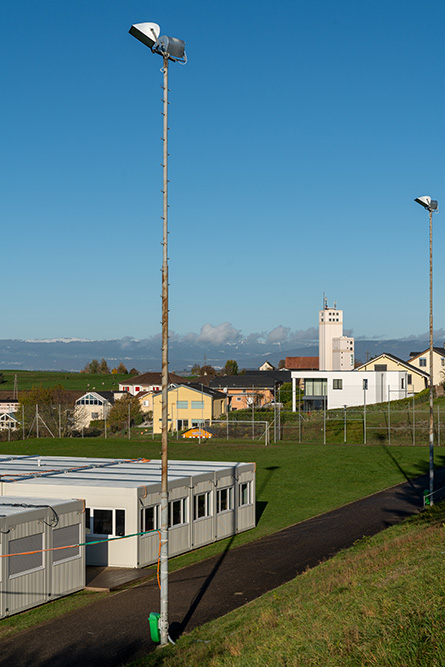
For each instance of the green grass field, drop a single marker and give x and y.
(70, 381)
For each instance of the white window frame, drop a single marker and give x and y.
(156, 518)
(228, 491)
(183, 512)
(207, 506)
(248, 487)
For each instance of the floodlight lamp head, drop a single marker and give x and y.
(171, 47)
(428, 203)
(147, 33)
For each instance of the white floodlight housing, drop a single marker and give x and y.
(147, 33)
(171, 46)
(428, 203)
(424, 201)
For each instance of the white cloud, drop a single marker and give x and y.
(278, 335)
(219, 334)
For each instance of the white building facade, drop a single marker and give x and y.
(335, 351)
(337, 389)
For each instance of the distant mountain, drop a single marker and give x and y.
(145, 355)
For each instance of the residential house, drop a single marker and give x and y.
(421, 360)
(8, 421)
(188, 405)
(149, 382)
(336, 389)
(267, 366)
(8, 405)
(91, 406)
(416, 379)
(145, 399)
(251, 388)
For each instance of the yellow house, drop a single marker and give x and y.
(421, 360)
(188, 405)
(416, 378)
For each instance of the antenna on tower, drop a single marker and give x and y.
(325, 301)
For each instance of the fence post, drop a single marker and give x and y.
(414, 419)
(389, 417)
(438, 426)
(324, 420)
(23, 421)
(364, 414)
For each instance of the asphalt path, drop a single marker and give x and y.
(114, 631)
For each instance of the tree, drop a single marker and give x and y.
(231, 367)
(196, 369)
(92, 368)
(122, 369)
(134, 372)
(118, 416)
(282, 363)
(46, 409)
(103, 367)
(207, 370)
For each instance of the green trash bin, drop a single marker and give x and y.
(426, 498)
(153, 622)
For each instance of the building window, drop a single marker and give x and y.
(31, 561)
(365, 384)
(380, 367)
(201, 507)
(244, 494)
(150, 518)
(63, 537)
(337, 384)
(94, 415)
(197, 405)
(409, 378)
(402, 383)
(422, 362)
(182, 405)
(177, 512)
(224, 500)
(104, 522)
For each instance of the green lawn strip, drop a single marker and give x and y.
(293, 482)
(379, 603)
(47, 612)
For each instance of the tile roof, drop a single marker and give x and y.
(302, 363)
(153, 379)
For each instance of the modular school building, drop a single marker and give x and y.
(208, 501)
(43, 529)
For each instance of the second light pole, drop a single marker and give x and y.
(431, 206)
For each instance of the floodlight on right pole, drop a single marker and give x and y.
(172, 49)
(431, 206)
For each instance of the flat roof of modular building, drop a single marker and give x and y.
(122, 473)
(13, 505)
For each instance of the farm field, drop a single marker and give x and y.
(70, 381)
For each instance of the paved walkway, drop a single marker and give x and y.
(114, 631)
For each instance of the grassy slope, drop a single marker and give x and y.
(379, 603)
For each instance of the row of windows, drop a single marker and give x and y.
(62, 537)
(196, 405)
(89, 401)
(104, 522)
(202, 507)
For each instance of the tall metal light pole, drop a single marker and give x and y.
(173, 49)
(431, 206)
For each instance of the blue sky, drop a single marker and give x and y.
(300, 135)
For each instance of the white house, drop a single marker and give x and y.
(335, 389)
